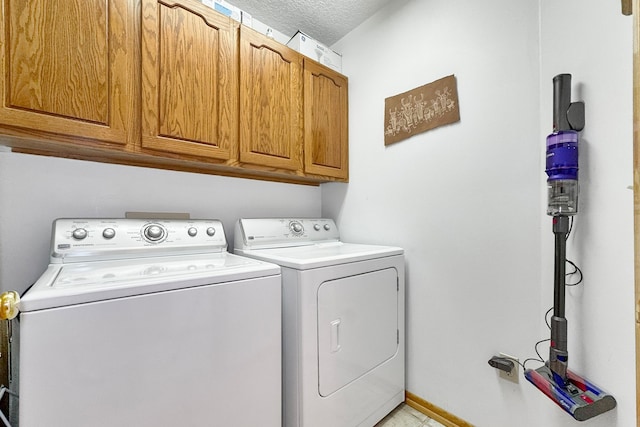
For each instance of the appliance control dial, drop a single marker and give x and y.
(211, 231)
(296, 228)
(327, 227)
(108, 233)
(316, 227)
(192, 231)
(153, 232)
(79, 233)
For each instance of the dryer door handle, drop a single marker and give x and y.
(335, 335)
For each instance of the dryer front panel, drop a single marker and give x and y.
(357, 326)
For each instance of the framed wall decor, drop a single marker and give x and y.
(421, 109)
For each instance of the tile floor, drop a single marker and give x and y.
(406, 416)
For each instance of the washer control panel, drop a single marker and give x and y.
(279, 232)
(85, 239)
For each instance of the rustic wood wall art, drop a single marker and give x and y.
(421, 109)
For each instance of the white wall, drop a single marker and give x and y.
(467, 200)
(35, 190)
(593, 41)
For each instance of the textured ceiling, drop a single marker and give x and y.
(325, 20)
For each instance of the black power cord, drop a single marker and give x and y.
(575, 271)
(534, 359)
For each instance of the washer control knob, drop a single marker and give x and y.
(327, 227)
(79, 233)
(211, 231)
(316, 227)
(108, 233)
(192, 231)
(296, 227)
(153, 232)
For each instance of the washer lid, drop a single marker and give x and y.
(321, 254)
(69, 284)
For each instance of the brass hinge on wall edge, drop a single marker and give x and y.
(432, 411)
(627, 9)
(8, 311)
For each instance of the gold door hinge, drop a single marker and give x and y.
(627, 8)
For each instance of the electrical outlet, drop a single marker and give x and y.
(514, 375)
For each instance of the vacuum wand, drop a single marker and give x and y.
(558, 354)
(562, 202)
(577, 396)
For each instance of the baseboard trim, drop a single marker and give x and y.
(433, 411)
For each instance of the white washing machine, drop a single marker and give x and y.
(150, 323)
(343, 321)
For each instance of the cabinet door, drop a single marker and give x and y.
(67, 67)
(270, 102)
(189, 83)
(326, 131)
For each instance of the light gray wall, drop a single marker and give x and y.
(35, 190)
(593, 41)
(467, 201)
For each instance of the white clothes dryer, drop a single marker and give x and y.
(343, 321)
(149, 323)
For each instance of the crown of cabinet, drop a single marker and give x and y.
(169, 84)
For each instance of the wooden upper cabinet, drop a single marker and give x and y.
(270, 103)
(166, 83)
(67, 68)
(189, 79)
(326, 131)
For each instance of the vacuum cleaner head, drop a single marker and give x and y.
(579, 397)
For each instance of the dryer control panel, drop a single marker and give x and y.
(282, 232)
(90, 239)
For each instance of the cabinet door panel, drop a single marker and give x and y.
(271, 103)
(48, 72)
(189, 88)
(326, 145)
(67, 67)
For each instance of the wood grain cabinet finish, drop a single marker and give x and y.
(270, 103)
(169, 84)
(326, 134)
(66, 68)
(189, 79)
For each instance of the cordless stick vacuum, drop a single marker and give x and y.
(579, 397)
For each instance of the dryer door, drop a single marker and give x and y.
(357, 326)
